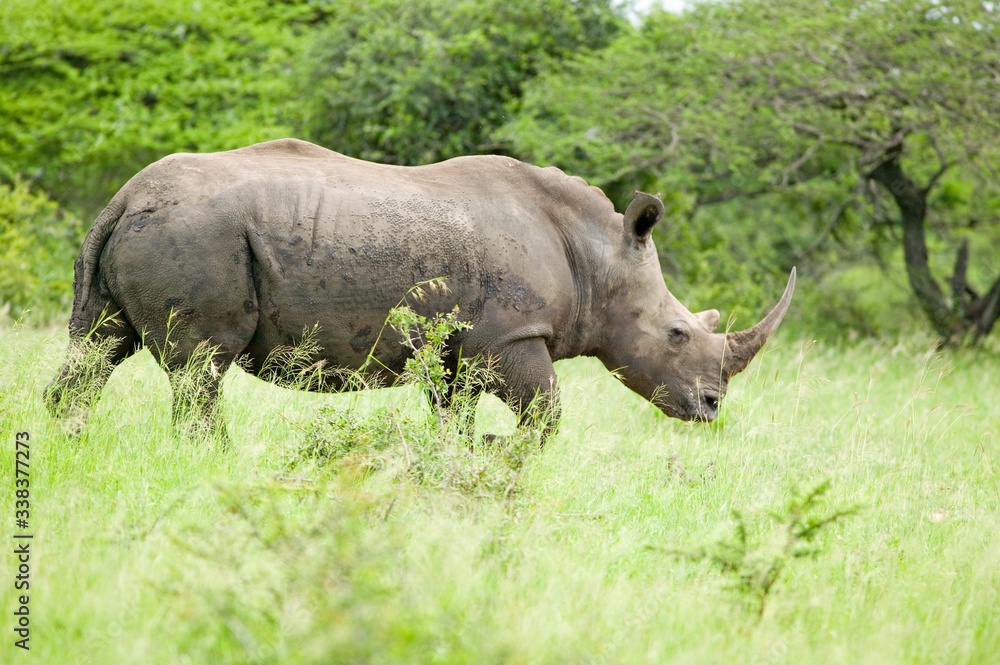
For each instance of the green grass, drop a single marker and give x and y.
(154, 548)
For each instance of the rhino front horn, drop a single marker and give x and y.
(742, 346)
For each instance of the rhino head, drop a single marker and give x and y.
(654, 345)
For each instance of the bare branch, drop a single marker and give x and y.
(844, 52)
(988, 310)
(794, 166)
(959, 285)
(828, 231)
(730, 195)
(815, 59)
(675, 140)
(809, 130)
(837, 100)
(901, 96)
(941, 158)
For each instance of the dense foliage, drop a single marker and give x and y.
(38, 244)
(854, 140)
(853, 121)
(93, 92)
(418, 81)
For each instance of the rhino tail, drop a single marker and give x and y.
(86, 267)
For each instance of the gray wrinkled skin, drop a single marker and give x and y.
(249, 247)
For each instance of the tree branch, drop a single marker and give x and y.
(730, 195)
(808, 130)
(827, 232)
(941, 158)
(800, 161)
(989, 310)
(959, 285)
(912, 203)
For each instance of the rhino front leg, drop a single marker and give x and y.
(458, 406)
(529, 385)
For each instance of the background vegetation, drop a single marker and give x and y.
(851, 125)
(843, 509)
(855, 140)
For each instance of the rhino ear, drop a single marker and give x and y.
(642, 215)
(709, 318)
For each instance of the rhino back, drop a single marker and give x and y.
(320, 237)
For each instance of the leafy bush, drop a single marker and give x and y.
(438, 451)
(756, 564)
(38, 244)
(413, 82)
(92, 92)
(407, 449)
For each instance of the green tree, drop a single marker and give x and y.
(879, 117)
(91, 92)
(418, 81)
(37, 248)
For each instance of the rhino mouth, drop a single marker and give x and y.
(703, 407)
(708, 409)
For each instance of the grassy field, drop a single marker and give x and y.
(152, 547)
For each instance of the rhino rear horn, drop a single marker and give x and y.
(742, 346)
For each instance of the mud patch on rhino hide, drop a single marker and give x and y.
(524, 299)
(362, 341)
(511, 292)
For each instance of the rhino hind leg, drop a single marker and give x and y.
(195, 386)
(196, 353)
(97, 345)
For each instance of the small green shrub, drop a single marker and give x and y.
(425, 339)
(414, 450)
(439, 451)
(322, 586)
(756, 564)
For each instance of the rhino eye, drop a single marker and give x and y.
(677, 334)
